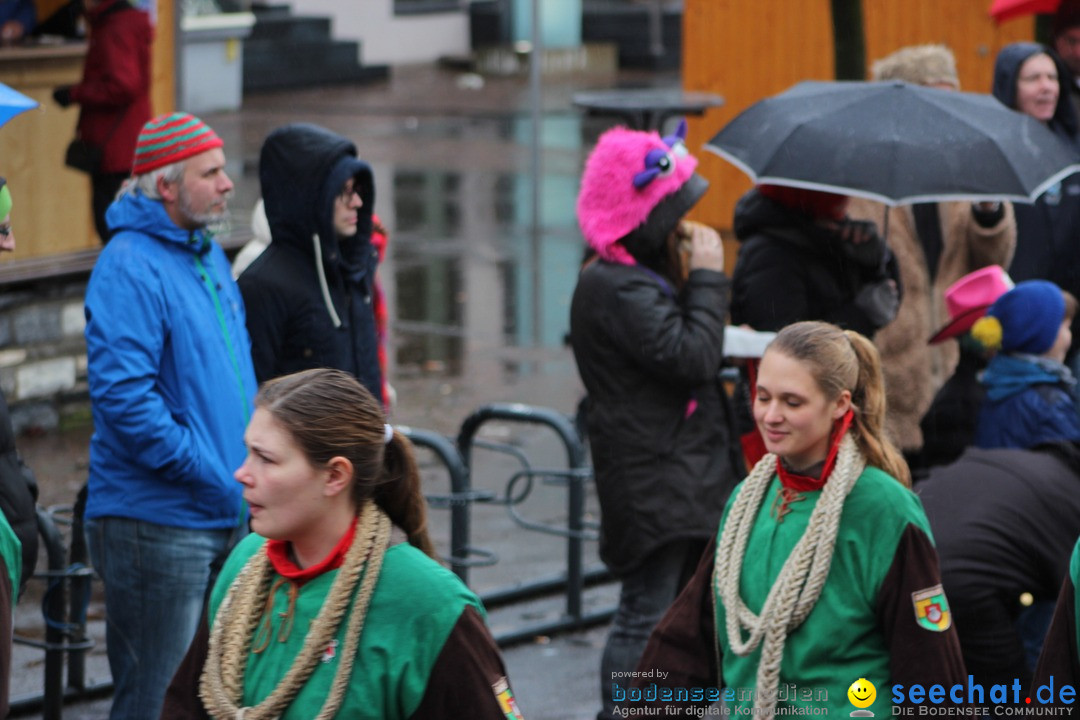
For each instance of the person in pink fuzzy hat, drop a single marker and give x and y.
(647, 329)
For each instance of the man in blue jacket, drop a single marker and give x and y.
(171, 386)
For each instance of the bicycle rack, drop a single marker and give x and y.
(459, 501)
(457, 460)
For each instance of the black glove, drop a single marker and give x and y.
(62, 95)
(879, 301)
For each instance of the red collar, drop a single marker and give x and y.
(278, 552)
(806, 483)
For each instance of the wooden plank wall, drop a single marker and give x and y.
(746, 50)
(163, 60)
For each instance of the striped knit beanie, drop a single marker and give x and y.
(171, 138)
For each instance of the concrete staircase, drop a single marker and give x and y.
(289, 51)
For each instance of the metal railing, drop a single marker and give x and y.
(457, 460)
(63, 607)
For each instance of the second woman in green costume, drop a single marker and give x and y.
(823, 572)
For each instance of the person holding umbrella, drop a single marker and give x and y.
(935, 244)
(830, 267)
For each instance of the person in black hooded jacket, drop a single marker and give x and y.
(309, 295)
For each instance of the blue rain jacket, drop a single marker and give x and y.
(171, 380)
(1026, 404)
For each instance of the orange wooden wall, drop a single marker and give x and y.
(163, 60)
(746, 50)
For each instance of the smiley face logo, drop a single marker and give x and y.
(862, 693)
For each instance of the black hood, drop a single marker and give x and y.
(756, 214)
(302, 168)
(1007, 71)
(760, 216)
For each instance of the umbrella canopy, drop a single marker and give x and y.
(13, 102)
(896, 143)
(1002, 10)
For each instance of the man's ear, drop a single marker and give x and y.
(169, 191)
(340, 476)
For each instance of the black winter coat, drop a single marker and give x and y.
(18, 496)
(790, 269)
(1004, 522)
(293, 325)
(646, 357)
(948, 427)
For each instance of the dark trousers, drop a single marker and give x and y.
(646, 594)
(105, 186)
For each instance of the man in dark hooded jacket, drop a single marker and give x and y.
(309, 295)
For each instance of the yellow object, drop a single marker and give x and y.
(987, 330)
(862, 693)
(1026, 599)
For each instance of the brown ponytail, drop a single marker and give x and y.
(868, 397)
(329, 414)
(399, 494)
(842, 360)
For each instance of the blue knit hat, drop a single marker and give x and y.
(1028, 318)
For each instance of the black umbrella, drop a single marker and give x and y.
(896, 143)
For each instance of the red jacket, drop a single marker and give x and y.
(115, 90)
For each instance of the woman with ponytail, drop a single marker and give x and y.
(823, 573)
(334, 605)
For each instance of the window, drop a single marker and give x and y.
(420, 7)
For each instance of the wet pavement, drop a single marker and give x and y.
(478, 285)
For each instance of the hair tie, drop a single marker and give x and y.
(388, 433)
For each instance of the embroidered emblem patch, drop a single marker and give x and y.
(505, 696)
(330, 653)
(932, 609)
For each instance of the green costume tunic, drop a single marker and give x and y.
(424, 650)
(1060, 660)
(881, 614)
(10, 573)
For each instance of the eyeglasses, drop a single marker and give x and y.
(5, 230)
(346, 194)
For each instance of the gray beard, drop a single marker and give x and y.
(215, 220)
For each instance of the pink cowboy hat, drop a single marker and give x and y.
(970, 297)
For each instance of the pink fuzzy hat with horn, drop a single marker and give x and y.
(628, 174)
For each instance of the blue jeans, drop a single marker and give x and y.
(156, 581)
(646, 594)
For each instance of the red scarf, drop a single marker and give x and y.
(805, 483)
(278, 552)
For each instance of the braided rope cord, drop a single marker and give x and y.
(221, 684)
(799, 582)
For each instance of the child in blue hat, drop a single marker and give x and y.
(1030, 393)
